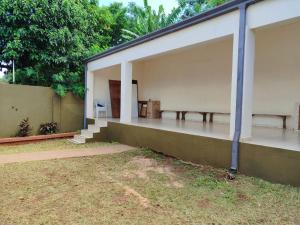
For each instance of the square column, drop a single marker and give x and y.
(89, 104)
(126, 92)
(249, 62)
(248, 76)
(235, 50)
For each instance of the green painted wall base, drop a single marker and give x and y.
(275, 165)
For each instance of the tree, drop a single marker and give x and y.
(49, 40)
(119, 23)
(143, 20)
(191, 8)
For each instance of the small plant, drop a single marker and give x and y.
(48, 128)
(24, 128)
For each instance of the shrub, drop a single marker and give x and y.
(48, 128)
(24, 128)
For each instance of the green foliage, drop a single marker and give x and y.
(48, 128)
(143, 20)
(24, 128)
(49, 40)
(193, 7)
(119, 21)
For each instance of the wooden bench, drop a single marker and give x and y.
(175, 111)
(204, 114)
(283, 117)
(183, 114)
(211, 115)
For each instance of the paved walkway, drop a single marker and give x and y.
(61, 154)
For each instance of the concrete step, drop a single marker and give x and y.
(87, 133)
(101, 123)
(79, 138)
(75, 141)
(93, 128)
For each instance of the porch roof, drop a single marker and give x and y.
(210, 14)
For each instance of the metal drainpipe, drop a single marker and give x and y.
(239, 91)
(85, 96)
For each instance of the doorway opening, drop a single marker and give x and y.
(115, 98)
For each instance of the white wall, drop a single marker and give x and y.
(277, 72)
(197, 78)
(101, 86)
(269, 12)
(165, 77)
(101, 82)
(208, 30)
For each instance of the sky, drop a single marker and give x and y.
(168, 4)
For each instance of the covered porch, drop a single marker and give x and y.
(271, 154)
(222, 81)
(264, 136)
(199, 81)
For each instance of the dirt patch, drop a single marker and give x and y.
(242, 197)
(144, 165)
(141, 161)
(143, 201)
(204, 203)
(129, 192)
(175, 184)
(121, 199)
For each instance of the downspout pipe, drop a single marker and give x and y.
(239, 89)
(85, 97)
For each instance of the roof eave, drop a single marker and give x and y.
(210, 14)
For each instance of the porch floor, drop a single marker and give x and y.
(272, 137)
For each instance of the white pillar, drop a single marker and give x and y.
(246, 131)
(126, 92)
(249, 59)
(235, 50)
(90, 95)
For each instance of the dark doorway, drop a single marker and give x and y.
(115, 97)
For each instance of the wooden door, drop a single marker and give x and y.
(299, 118)
(115, 95)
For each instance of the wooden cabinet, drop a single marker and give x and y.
(153, 108)
(149, 109)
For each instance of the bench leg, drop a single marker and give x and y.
(183, 115)
(177, 115)
(204, 117)
(211, 117)
(284, 122)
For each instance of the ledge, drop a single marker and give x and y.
(13, 140)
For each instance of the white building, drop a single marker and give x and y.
(239, 63)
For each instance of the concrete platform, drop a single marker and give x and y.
(268, 137)
(272, 154)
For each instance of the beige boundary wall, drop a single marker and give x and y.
(40, 105)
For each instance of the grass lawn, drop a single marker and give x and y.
(138, 187)
(50, 145)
